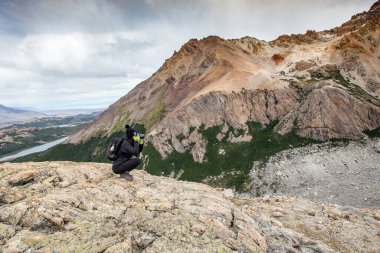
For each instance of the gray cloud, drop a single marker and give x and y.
(88, 53)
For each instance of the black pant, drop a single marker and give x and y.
(120, 168)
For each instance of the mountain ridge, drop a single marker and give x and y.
(14, 110)
(9, 115)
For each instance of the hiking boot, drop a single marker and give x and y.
(127, 176)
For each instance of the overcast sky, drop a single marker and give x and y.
(86, 54)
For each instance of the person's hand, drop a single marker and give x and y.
(137, 138)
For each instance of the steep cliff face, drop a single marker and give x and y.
(219, 108)
(84, 207)
(321, 85)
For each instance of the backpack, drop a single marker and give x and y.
(113, 148)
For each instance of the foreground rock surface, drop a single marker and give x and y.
(300, 225)
(84, 207)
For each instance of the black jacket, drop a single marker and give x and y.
(126, 151)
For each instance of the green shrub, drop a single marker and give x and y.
(373, 133)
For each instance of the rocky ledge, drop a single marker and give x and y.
(84, 207)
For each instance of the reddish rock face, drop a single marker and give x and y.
(304, 65)
(322, 85)
(23, 178)
(278, 59)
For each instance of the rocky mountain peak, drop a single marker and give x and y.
(362, 19)
(375, 8)
(296, 39)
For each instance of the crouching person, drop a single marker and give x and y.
(127, 155)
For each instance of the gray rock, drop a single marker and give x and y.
(324, 172)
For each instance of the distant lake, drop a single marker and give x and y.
(33, 150)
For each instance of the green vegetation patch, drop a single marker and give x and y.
(181, 137)
(121, 124)
(375, 133)
(154, 115)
